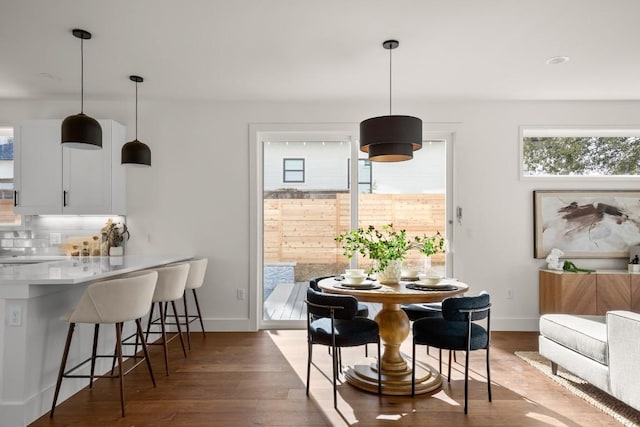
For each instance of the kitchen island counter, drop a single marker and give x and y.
(24, 281)
(33, 301)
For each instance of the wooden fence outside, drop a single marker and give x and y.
(303, 230)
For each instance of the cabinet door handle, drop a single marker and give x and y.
(64, 198)
(15, 198)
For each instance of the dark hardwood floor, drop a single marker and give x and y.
(257, 379)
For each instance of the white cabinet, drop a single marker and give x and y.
(50, 179)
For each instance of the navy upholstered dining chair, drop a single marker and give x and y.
(332, 322)
(457, 330)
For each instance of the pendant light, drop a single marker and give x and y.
(390, 138)
(80, 130)
(136, 152)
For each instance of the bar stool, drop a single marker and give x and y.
(110, 302)
(195, 280)
(172, 280)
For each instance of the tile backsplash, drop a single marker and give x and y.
(43, 235)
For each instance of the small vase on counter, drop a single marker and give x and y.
(116, 251)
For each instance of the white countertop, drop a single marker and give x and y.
(30, 259)
(18, 281)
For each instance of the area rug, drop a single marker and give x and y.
(621, 412)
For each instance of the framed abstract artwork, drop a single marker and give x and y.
(586, 224)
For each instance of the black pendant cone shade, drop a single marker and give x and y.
(80, 130)
(136, 152)
(390, 138)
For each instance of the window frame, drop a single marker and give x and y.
(582, 130)
(285, 170)
(370, 182)
(9, 131)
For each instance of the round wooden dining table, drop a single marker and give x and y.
(394, 329)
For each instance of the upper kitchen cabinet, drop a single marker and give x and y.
(50, 179)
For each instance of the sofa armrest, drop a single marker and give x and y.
(623, 335)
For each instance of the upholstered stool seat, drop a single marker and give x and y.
(110, 302)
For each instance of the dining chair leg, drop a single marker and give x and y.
(120, 370)
(440, 360)
(195, 298)
(175, 315)
(379, 370)
(145, 350)
(63, 365)
(488, 376)
(466, 379)
(449, 372)
(115, 355)
(309, 353)
(334, 358)
(413, 369)
(164, 340)
(186, 319)
(93, 353)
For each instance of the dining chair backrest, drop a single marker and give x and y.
(313, 282)
(172, 280)
(116, 300)
(322, 305)
(197, 270)
(458, 309)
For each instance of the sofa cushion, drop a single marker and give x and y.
(586, 335)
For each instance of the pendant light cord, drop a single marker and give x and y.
(81, 76)
(390, 87)
(136, 111)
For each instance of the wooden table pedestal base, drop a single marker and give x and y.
(365, 377)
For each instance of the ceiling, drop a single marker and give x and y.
(321, 50)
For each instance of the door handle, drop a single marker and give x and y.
(15, 198)
(64, 198)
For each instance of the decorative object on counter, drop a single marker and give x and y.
(115, 233)
(634, 265)
(553, 260)
(80, 130)
(569, 266)
(136, 152)
(390, 138)
(387, 248)
(95, 246)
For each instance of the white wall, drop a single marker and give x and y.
(196, 195)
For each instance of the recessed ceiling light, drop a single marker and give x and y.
(554, 60)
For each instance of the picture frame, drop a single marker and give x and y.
(586, 224)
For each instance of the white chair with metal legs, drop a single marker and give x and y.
(109, 302)
(170, 288)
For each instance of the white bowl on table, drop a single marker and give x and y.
(429, 279)
(354, 278)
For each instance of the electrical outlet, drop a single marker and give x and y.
(14, 315)
(240, 294)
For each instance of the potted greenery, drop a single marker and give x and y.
(387, 248)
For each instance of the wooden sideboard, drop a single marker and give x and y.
(588, 293)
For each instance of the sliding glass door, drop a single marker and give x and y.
(314, 188)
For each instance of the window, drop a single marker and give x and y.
(7, 217)
(364, 175)
(580, 152)
(293, 170)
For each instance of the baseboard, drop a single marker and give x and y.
(515, 324)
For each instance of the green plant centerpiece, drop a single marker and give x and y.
(387, 248)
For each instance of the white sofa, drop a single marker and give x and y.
(603, 350)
